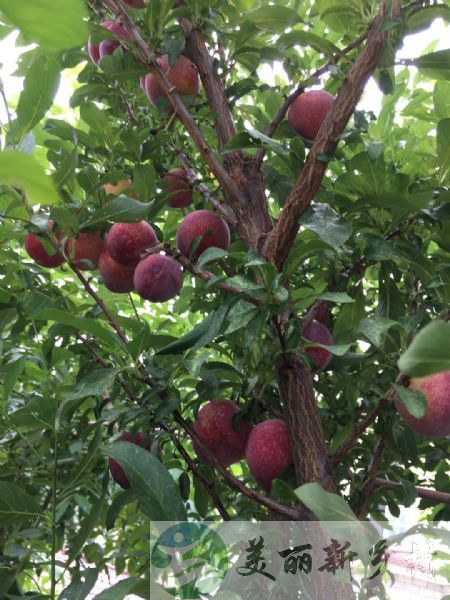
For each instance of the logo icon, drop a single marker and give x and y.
(189, 560)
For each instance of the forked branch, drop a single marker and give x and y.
(280, 240)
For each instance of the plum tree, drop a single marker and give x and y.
(178, 187)
(308, 112)
(268, 451)
(209, 227)
(117, 473)
(318, 334)
(36, 250)
(322, 223)
(182, 75)
(116, 277)
(436, 421)
(158, 278)
(86, 247)
(126, 241)
(107, 47)
(214, 428)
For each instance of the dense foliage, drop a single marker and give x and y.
(79, 368)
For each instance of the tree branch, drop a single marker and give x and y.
(422, 492)
(205, 275)
(369, 486)
(227, 211)
(212, 492)
(279, 117)
(354, 436)
(231, 190)
(280, 240)
(197, 51)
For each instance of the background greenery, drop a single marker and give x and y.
(375, 245)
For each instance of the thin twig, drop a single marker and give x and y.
(369, 486)
(422, 492)
(354, 436)
(212, 492)
(227, 211)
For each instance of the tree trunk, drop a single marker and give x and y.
(309, 449)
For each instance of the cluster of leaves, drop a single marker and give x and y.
(374, 246)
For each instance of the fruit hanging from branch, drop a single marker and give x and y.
(308, 112)
(436, 421)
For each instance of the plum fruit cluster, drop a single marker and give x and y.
(120, 256)
(265, 446)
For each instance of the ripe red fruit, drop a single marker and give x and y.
(178, 186)
(319, 334)
(87, 246)
(135, 3)
(126, 241)
(117, 473)
(158, 278)
(116, 277)
(268, 451)
(308, 112)
(436, 421)
(214, 428)
(182, 75)
(210, 227)
(106, 47)
(36, 251)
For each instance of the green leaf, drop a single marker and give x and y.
(307, 38)
(338, 517)
(16, 505)
(375, 328)
(14, 371)
(144, 181)
(155, 490)
(120, 209)
(209, 255)
(85, 531)
(188, 340)
(79, 323)
(422, 18)
(429, 352)
(435, 65)
(53, 27)
(39, 89)
(240, 315)
(325, 221)
(23, 171)
(443, 144)
(80, 586)
(202, 333)
(378, 248)
(336, 297)
(415, 401)
(94, 384)
(271, 17)
(441, 98)
(121, 500)
(124, 588)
